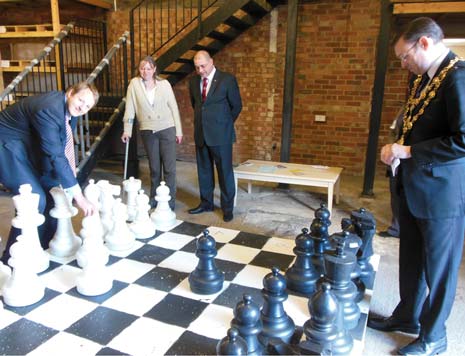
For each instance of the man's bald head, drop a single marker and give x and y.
(203, 63)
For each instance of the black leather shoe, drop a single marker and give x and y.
(200, 209)
(392, 324)
(227, 217)
(386, 234)
(421, 347)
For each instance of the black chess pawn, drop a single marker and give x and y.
(206, 278)
(301, 277)
(320, 237)
(323, 214)
(247, 321)
(276, 323)
(232, 344)
(339, 265)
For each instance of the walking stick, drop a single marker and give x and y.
(126, 159)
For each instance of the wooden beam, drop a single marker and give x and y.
(429, 7)
(56, 29)
(98, 3)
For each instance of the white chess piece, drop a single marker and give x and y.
(107, 191)
(23, 287)
(95, 278)
(163, 217)
(65, 242)
(92, 193)
(5, 273)
(142, 227)
(28, 219)
(131, 186)
(95, 247)
(120, 238)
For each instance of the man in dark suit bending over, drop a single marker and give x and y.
(217, 103)
(34, 134)
(431, 185)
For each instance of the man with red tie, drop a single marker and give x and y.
(217, 103)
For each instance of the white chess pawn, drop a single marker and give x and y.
(142, 227)
(95, 247)
(131, 186)
(95, 278)
(28, 219)
(163, 217)
(65, 242)
(92, 193)
(107, 191)
(120, 237)
(23, 287)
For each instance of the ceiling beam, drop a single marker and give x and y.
(98, 3)
(428, 7)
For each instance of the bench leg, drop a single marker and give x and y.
(249, 187)
(337, 189)
(330, 197)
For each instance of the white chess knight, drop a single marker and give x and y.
(131, 186)
(23, 287)
(120, 237)
(92, 193)
(28, 219)
(107, 191)
(142, 227)
(163, 217)
(92, 257)
(65, 242)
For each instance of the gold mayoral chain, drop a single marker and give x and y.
(425, 97)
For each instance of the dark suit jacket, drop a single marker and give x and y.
(214, 119)
(434, 177)
(39, 122)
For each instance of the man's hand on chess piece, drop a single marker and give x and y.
(85, 205)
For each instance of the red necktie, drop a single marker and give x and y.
(69, 148)
(204, 89)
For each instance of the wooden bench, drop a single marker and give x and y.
(291, 173)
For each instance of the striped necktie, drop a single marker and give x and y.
(69, 148)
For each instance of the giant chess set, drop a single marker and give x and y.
(141, 282)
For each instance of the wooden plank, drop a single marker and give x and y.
(98, 3)
(28, 34)
(429, 8)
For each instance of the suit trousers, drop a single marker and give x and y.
(161, 151)
(221, 157)
(16, 168)
(429, 259)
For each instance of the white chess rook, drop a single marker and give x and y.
(163, 217)
(131, 186)
(65, 242)
(142, 227)
(28, 219)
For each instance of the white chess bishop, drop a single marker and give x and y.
(142, 227)
(131, 186)
(28, 219)
(65, 242)
(120, 238)
(23, 287)
(163, 217)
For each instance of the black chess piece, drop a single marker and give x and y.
(206, 278)
(247, 321)
(276, 323)
(320, 236)
(232, 344)
(339, 265)
(320, 330)
(301, 277)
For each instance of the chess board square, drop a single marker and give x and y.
(280, 245)
(252, 276)
(135, 299)
(146, 336)
(192, 344)
(213, 322)
(49, 295)
(61, 279)
(125, 253)
(23, 336)
(101, 325)
(61, 260)
(74, 345)
(234, 294)
(8, 317)
(237, 253)
(161, 278)
(150, 254)
(230, 269)
(128, 271)
(188, 228)
(297, 308)
(191, 247)
(99, 299)
(222, 235)
(168, 228)
(184, 290)
(58, 315)
(172, 241)
(177, 310)
(180, 261)
(109, 351)
(271, 259)
(249, 240)
(51, 267)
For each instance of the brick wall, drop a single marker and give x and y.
(335, 66)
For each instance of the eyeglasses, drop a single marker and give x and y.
(403, 57)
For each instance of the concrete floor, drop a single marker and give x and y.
(283, 213)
